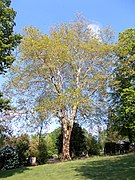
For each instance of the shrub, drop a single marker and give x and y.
(22, 146)
(8, 158)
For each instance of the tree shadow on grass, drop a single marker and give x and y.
(11, 172)
(113, 168)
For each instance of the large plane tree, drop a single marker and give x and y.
(68, 70)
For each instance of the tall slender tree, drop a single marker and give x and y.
(70, 68)
(8, 42)
(123, 109)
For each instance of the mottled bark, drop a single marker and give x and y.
(67, 126)
(66, 142)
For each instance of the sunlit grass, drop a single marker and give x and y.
(96, 168)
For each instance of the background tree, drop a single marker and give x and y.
(5, 132)
(42, 151)
(112, 134)
(8, 39)
(123, 111)
(53, 137)
(27, 146)
(77, 141)
(93, 146)
(70, 68)
(8, 42)
(33, 147)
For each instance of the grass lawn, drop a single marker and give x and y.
(120, 167)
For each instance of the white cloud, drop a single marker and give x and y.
(94, 28)
(95, 31)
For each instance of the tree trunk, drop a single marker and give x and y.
(66, 142)
(67, 126)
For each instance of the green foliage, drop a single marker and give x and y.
(78, 141)
(81, 142)
(51, 147)
(113, 136)
(21, 144)
(69, 68)
(8, 42)
(5, 132)
(8, 39)
(73, 64)
(123, 111)
(33, 147)
(4, 103)
(93, 146)
(42, 151)
(51, 140)
(4, 129)
(29, 147)
(38, 148)
(8, 158)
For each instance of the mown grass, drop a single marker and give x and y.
(120, 167)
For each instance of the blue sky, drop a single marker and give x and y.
(119, 14)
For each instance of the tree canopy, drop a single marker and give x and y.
(69, 69)
(8, 39)
(123, 111)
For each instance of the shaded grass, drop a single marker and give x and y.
(95, 168)
(109, 168)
